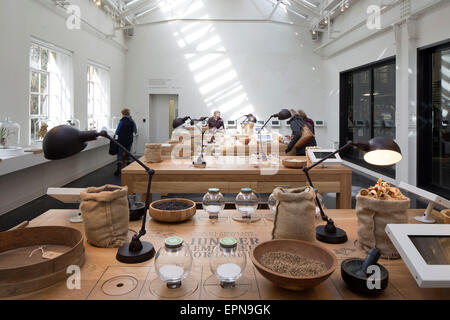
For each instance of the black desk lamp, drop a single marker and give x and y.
(65, 141)
(177, 122)
(378, 151)
(282, 115)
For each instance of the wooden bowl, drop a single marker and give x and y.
(446, 216)
(307, 249)
(172, 215)
(20, 273)
(294, 163)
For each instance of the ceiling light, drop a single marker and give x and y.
(310, 3)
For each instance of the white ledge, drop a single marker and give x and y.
(29, 159)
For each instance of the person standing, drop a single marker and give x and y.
(302, 135)
(304, 117)
(216, 121)
(125, 131)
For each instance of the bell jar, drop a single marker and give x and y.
(213, 204)
(227, 263)
(9, 134)
(173, 262)
(246, 204)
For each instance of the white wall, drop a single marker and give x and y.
(21, 19)
(275, 67)
(18, 21)
(430, 26)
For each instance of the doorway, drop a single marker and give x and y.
(163, 109)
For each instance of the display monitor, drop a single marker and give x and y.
(318, 154)
(425, 249)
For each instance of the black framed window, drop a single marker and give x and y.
(367, 108)
(433, 117)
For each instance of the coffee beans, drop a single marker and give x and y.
(172, 205)
(292, 264)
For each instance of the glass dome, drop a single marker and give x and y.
(213, 203)
(247, 202)
(40, 127)
(227, 263)
(9, 134)
(173, 262)
(74, 123)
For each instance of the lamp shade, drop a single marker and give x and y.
(251, 118)
(382, 152)
(65, 141)
(177, 122)
(283, 114)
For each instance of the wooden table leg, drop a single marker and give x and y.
(344, 197)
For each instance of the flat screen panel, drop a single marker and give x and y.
(435, 250)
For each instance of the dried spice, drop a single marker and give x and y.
(292, 264)
(172, 205)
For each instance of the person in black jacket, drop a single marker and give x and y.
(297, 127)
(125, 131)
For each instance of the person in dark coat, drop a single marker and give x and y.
(297, 124)
(125, 131)
(305, 118)
(216, 121)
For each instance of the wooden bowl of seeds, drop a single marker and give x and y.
(293, 264)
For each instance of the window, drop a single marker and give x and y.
(433, 119)
(98, 97)
(367, 109)
(50, 91)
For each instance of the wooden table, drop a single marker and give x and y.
(201, 235)
(230, 174)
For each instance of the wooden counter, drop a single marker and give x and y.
(201, 236)
(230, 174)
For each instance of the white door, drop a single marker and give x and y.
(163, 108)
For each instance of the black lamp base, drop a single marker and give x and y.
(334, 238)
(126, 256)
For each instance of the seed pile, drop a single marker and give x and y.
(292, 264)
(172, 205)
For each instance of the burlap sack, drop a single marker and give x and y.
(373, 216)
(295, 215)
(106, 215)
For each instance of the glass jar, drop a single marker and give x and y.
(74, 123)
(246, 203)
(272, 203)
(9, 134)
(274, 160)
(173, 262)
(227, 263)
(40, 127)
(213, 203)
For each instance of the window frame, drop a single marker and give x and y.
(343, 112)
(425, 116)
(95, 84)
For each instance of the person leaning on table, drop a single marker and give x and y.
(215, 121)
(125, 131)
(302, 135)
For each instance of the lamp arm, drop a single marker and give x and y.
(135, 244)
(330, 224)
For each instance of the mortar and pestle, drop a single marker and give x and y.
(354, 273)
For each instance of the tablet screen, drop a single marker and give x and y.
(435, 250)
